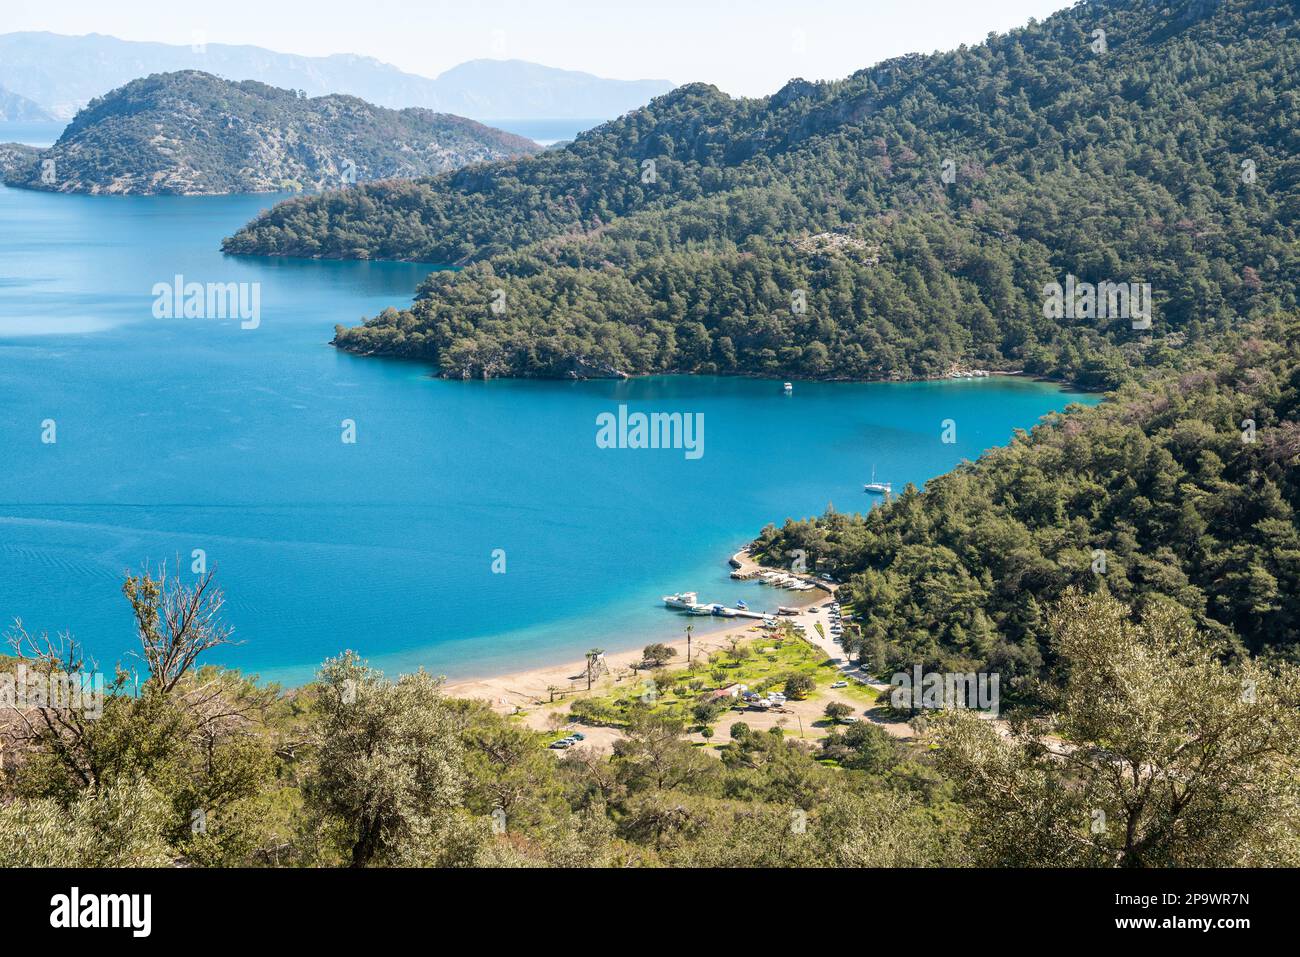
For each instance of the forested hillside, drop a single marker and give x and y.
(17, 159)
(1183, 492)
(892, 224)
(193, 133)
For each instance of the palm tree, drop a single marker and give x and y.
(592, 656)
(551, 689)
(688, 645)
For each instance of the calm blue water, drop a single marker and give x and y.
(33, 134)
(180, 434)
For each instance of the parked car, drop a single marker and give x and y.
(840, 684)
(578, 736)
(849, 719)
(563, 743)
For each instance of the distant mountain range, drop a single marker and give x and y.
(61, 74)
(191, 133)
(19, 109)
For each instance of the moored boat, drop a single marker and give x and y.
(878, 488)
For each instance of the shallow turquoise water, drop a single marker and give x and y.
(182, 434)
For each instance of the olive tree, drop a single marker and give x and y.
(1159, 752)
(389, 764)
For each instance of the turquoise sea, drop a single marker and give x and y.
(181, 434)
(31, 134)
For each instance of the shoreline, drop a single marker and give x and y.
(532, 687)
(1066, 385)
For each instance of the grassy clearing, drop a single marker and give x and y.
(761, 664)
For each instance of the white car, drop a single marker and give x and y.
(840, 684)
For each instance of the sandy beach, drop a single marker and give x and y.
(530, 691)
(525, 689)
(528, 688)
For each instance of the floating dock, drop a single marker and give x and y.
(727, 612)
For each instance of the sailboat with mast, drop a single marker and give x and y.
(877, 488)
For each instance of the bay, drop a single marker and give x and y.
(176, 435)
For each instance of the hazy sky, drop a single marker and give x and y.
(746, 47)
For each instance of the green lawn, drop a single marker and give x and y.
(761, 664)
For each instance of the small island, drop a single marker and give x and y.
(191, 133)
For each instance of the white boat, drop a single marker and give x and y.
(701, 609)
(682, 600)
(878, 488)
(788, 387)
